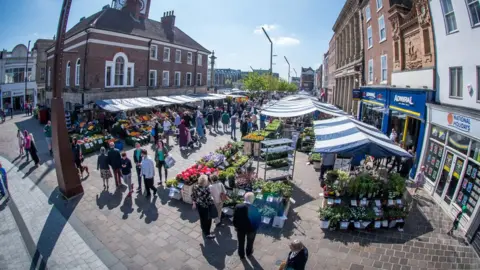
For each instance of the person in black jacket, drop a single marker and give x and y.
(297, 257)
(244, 128)
(127, 173)
(137, 159)
(217, 114)
(115, 161)
(246, 220)
(102, 165)
(406, 165)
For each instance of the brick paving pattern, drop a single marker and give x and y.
(163, 234)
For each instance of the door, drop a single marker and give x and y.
(447, 184)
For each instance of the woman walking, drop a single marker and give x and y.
(297, 257)
(27, 144)
(160, 154)
(78, 157)
(200, 122)
(33, 150)
(219, 195)
(127, 173)
(102, 165)
(225, 121)
(183, 135)
(155, 134)
(202, 201)
(21, 142)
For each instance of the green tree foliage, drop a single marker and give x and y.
(255, 82)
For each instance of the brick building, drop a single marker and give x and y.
(307, 79)
(120, 52)
(40, 49)
(330, 71)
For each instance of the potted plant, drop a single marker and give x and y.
(267, 212)
(316, 159)
(325, 214)
(345, 216)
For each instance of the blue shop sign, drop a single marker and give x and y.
(372, 95)
(409, 102)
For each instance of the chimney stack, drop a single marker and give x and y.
(168, 24)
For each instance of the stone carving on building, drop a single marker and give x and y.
(395, 28)
(413, 60)
(423, 12)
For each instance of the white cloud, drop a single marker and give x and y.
(35, 34)
(268, 27)
(286, 41)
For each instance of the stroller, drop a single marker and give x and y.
(193, 139)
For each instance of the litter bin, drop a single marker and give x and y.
(43, 116)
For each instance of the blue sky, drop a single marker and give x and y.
(301, 29)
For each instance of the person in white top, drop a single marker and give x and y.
(148, 171)
(178, 119)
(166, 130)
(393, 135)
(219, 194)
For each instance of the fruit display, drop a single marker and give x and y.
(253, 138)
(274, 126)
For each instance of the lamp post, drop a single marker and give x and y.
(296, 75)
(67, 176)
(271, 50)
(288, 68)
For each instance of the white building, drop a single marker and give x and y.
(13, 88)
(451, 152)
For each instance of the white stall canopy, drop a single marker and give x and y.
(294, 108)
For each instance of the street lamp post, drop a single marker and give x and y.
(67, 175)
(271, 50)
(288, 68)
(296, 75)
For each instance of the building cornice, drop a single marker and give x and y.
(346, 10)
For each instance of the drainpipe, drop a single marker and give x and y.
(195, 73)
(85, 67)
(148, 64)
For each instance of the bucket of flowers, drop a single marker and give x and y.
(325, 214)
(361, 217)
(267, 212)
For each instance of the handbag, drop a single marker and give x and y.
(169, 161)
(212, 211)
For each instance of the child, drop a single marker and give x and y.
(457, 220)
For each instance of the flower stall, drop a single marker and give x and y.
(363, 201)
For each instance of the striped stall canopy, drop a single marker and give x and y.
(346, 135)
(293, 108)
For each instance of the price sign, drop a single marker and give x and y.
(180, 185)
(330, 201)
(226, 163)
(353, 202)
(259, 196)
(390, 202)
(307, 138)
(270, 199)
(378, 224)
(378, 203)
(266, 220)
(356, 224)
(399, 201)
(363, 202)
(99, 141)
(338, 201)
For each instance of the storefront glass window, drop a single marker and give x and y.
(470, 189)
(433, 159)
(372, 115)
(475, 151)
(397, 122)
(458, 142)
(438, 133)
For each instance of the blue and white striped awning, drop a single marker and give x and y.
(347, 135)
(293, 108)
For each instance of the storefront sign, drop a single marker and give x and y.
(405, 100)
(410, 102)
(18, 93)
(374, 96)
(356, 94)
(459, 122)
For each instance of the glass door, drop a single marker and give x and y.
(450, 176)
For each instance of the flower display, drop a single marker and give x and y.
(212, 160)
(190, 175)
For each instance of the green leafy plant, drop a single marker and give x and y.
(326, 213)
(273, 126)
(172, 182)
(258, 184)
(316, 157)
(396, 185)
(278, 163)
(268, 211)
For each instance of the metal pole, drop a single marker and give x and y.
(69, 182)
(26, 77)
(288, 68)
(271, 49)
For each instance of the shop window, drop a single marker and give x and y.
(433, 159)
(475, 151)
(372, 115)
(438, 133)
(397, 122)
(470, 188)
(458, 142)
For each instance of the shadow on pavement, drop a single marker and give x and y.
(216, 250)
(110, 200)
(126, 207)
(147, 208)
(53, 227)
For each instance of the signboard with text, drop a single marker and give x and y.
(372, 95)
(411, 101)
(456, 121)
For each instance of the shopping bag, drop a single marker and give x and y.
(212, 211)
(169, 161)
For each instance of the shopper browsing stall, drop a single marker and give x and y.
(148, 171)
(160, 154)
(127, 173)
(203, 202)
(246, 220)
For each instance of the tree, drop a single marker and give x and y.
(272, 83)
(255, 82)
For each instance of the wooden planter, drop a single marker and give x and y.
(247, 148)
(187, 194)
(256, 149)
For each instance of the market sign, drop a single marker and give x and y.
(404, 100)
(356, 94)
(373, 96)
(459, 122)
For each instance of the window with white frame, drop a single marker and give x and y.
(368, 13)
(474, 10)
(77, 73)
(381, 28)
(449, 15)
(178, 78)
(383, 64)
(189, 58)
(166, 78)
(67, 75)
(369, 37)
(153, 52)
(379, 4)
(152, 78)
(188, 79)
(119, 72)
(178, 56)
(456, 82)
(199, 78)
(199, 59)
(166, 54)
(370, 71)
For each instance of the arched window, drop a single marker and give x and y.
(119, 70)
(67, 75)
(77, 73)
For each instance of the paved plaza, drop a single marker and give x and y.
(105, 229)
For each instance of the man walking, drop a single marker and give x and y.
(246, 220)
(148, 171)
(47, 130)
(233, 127)
(137, 159)
(115, 162)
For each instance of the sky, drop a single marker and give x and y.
(300, 30)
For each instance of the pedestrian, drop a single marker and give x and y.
(225, 121)
(137, 159)
(178, 119)
(217, 114)
(406, 165)
(102, 165)
(3, 181)
(148, 171)
(456, 222)
(155, 133)
(166, 130)
(10, 108)
(21, 142)
(187, 119)
(263, 118)
(297, 257)
(160, 154)
(200, 124)
(419, 179)
(246, 220)
(115, 162)
(27, 144)
(210, 123)
(233, 127)
(244, 127)
(254, 121)
(77, 156)
(47, 130)
(33, 150)
(328, 162)
(183, 135)
(203, 202)
(127, 173)
(2, 115)
(219, 195)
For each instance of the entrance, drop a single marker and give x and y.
(447, 184)
(17, 103)
(411, 132)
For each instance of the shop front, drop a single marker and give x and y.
(373, 106)
(452, 161)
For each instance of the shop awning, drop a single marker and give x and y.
(293, 108)
(179, 99)
(346, 135)
(208, 96)
(116, 105)
(297, 97)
